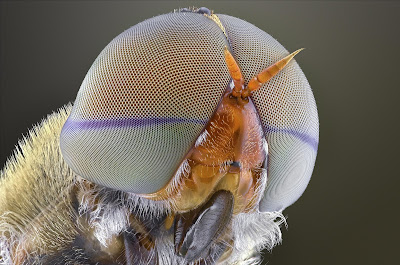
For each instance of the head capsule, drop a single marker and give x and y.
(148, 97)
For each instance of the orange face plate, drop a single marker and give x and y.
(229, 155)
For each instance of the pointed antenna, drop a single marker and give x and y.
(234, 72)
(266, 74)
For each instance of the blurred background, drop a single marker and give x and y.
(348, 213)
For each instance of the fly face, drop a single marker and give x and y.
(181, 151)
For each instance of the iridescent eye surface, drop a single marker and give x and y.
(151, 92)
(144, 102)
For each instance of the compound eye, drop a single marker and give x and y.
(144, 102)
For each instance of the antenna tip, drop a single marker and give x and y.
(296, 52)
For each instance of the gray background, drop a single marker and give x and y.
(349, 212)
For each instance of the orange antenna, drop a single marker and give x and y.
(266, 74)
(234, 72)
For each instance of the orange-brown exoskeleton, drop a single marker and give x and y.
(190, 134)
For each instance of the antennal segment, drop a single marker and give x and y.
(235, 73)
(266, 74)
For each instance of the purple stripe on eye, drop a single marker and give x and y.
(143, 122)
(127, 122)
(308, 139)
